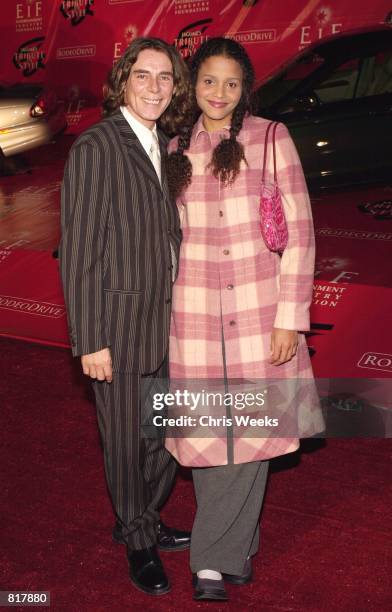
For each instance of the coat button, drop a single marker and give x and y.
(230, 286)
(232, 323)
(226, 252)
(221, 213)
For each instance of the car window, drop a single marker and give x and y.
(340, 84)
(329, 75)
(286, 81)
(357, 78)
(376, 75)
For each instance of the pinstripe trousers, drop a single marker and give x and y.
(139, 470)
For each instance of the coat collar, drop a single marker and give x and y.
(137, 152)
(200, 129)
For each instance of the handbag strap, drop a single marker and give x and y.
(274, 125)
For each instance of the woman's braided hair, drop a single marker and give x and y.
(227, 155)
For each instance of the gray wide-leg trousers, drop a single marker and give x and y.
(226, 527)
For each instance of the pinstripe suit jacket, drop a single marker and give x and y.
(115, 256)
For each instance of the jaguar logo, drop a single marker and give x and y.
(317, 329)
(380, 210)
(191, 37)
(29, 57)
(76, 10)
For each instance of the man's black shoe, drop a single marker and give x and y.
(168, 539)
(146, 571)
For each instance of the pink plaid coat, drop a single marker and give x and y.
(230, 283)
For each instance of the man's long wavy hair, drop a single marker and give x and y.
(228, 154)
(114, 88)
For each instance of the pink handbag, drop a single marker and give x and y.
(272, 220)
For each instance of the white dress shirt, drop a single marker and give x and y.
(143, 133)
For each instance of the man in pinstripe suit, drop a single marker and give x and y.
(119, 251)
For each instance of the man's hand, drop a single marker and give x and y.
(284, 344)
(98, 365)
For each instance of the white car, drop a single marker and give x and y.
(30, 116)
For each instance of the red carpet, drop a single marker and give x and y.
(325, 525)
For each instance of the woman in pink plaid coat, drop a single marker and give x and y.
(237, 310)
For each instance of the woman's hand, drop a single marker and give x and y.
(284, 344)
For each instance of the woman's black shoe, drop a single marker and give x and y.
(243, 578)
(210, 590)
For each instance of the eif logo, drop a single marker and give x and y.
(322, 25)
(130, 33)
(30, 9)
(28, 15)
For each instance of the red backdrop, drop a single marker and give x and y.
(71, 44)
